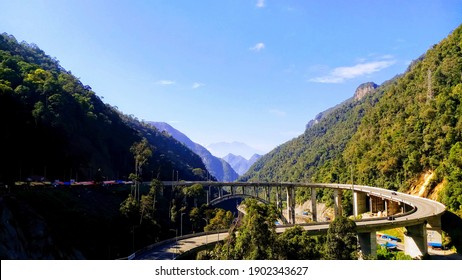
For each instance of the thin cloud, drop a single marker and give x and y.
(260, 3)
(341, 74)
(197, 85)
(165, 82)
(258, 47)
(277, 112)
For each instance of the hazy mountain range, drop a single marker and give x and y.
(241, 164)
(222, 149)
(218, 168)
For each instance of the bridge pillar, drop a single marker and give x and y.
(314, 210)
(415, 241)
(377, 204)
(359, 203)
(268, 194)
(278, 199)
(368, 243)
(393, 207)
(434, 231)
(337, 202)
(291, 205)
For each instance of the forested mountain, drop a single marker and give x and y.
(55, 127)
(409, 126)
(239, 163)
(218, 168)
(324, 139)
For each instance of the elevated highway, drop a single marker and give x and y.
(417, 215)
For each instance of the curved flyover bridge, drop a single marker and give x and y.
(421, 217)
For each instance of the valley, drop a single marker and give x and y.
(404, 135)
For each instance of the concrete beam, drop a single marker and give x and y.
(314, 210)
(291, 205)
(377, 204)
(393, 207)
(415, 241)
(368, 244)
(434, 231)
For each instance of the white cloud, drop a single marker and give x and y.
(260, 3)
(258, 47)
(197, 85)
(165, 82)
(340, 74)
(277, 112)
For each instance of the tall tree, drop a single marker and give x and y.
(256, 238)
(341, 240)
(296, 244)
(141, 152)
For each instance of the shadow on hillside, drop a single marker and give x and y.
(452, 224)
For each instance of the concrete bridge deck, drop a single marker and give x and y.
(422, 215)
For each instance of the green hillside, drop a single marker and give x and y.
(56, 128)
(408, 126)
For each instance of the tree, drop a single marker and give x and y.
(195, 191)
(221, 220)
(130, 209)
(141, 152)
(296, 244)
(148, 203)
(256, 238)
(341, 241)
(452, 194)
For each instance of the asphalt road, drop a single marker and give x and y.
(424, 209)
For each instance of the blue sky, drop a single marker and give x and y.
(252, 71)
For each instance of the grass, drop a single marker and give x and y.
(398, 232)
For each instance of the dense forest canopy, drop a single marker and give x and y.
(408, 126)
(55, 128)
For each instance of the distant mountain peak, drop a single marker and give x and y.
(221, 149)
(218, 167)
(239, 163)
(364, 89)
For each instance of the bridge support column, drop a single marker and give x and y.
(434, 231)
(268, 194)
(279, 199)
(359, 203)
(377, 205)
(415, 241)
(368, 243)
(314, 211)
(393, 207)
(337, 202)
(291, 205)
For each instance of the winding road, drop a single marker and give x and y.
(422, 210)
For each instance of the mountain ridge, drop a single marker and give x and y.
(388, 137)
(217, 167)
(239, 163)
(63, 129)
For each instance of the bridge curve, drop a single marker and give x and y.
(423, 214)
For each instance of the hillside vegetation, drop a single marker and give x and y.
(409, 125)
(54, 127)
